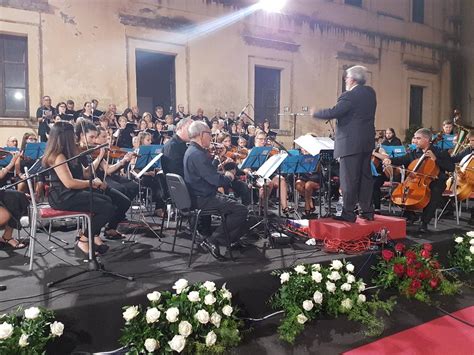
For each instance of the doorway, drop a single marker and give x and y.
(267, 95)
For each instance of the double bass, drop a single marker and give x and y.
(414, 193)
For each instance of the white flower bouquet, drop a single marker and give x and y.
(28, 333)
(310, 290)
(195, 318)
(463, 255)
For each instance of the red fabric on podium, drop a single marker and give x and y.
(327, 228)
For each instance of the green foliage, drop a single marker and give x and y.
(463, 255)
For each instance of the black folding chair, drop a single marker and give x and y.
(181, 199)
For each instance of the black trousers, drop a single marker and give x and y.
(125, 186)
(103, 209)
(157, 184)
(377, 193)
(241, 190)
(121, 202)
(356, 181)
(437, 188)
(236, 216)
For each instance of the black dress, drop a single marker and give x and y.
(17, 204)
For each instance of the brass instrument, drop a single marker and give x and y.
(463, 133)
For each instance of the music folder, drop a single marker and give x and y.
(147, 167)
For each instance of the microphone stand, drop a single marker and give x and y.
(93, 264)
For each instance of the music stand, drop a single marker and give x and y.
(256, 158)
(146, 153)
(326, 157)
(8, 158)
(34, 151)
(394, 151)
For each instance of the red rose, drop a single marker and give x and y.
(425, 254)
(411, 256)
(411, 273)
(415, 284)
(399, 269)
(424, 274)
(435, 264)
(434, 283)
(417, 265)
(387, 255)
(400, 247)
(427, 247)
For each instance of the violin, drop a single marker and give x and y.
(414, 193)
(237, 153)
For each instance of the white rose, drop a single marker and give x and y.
(154, 296)
(468, 258)
(193, 296)
(227, 310)
(23, 342)
(130, 313)
(151, 345)
(316, 267)
(172, 314)
(458, 240)
(209, 286)
(330, 287)
(361, 286)
(216, 319)
(350, 267)
(300, 269)
(471, 249)
(471, 241)
(177, 343)
(152, 315)
(180, 285)
(226, 293)
(284, 277)
(209, 299)
(347, 303)
(211, 338)
(350, 278)
(57, 329)
(334, 276)
(185, 328)
(336, 265)
(308, 305)
(470, 234)
(361, 299)
(346, 287)
(202, 316)
(6, 330)
(318, 297)
(301, 318)
(32, 312)
(316, 276)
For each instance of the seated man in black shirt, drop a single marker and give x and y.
(174, 149)
(203, 180)
(422, 139)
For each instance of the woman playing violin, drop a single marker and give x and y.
(425, 149)
(86, 134)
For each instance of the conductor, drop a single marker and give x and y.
(355, 114)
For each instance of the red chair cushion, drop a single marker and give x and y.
(48, 212)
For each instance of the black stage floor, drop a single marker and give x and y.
(90, 305)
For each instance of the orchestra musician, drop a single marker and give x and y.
(391, 138)
(422, 139)
(69, 189)
(86, 135)
(355, 114)
(306, 184)
(203, 180)
(174, 149)
(13, 205)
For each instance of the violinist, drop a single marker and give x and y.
(69, 188)
(422, 139)
(174, 149)
(86, 134)
(306, 184)
(113, 177)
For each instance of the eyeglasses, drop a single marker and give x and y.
(210, 133)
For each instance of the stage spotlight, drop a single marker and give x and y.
(272, 5)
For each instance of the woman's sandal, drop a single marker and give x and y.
(286, 211)
(12, 243)
(80, 253)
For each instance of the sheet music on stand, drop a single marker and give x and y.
(270, 166)
(147, 153)
(313, 145)
(147, 167)
(256, 158)
(35, 151)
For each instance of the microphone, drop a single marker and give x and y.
(243, 110)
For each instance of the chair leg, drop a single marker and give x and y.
(198, 213)
(175, 231)
(32, 239)
(224, 226)
(162, 227)
(90, 236)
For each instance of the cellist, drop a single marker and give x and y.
(424, 147)
(457, 158)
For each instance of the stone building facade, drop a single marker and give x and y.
(222, 50)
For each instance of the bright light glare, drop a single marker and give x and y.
(18, 96)
(272, 5)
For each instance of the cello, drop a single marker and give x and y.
(464, 178)
(414, 193)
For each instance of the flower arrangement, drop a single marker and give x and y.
(28, 333)
(414, 272)
(463, 255)
(195, 318)
(309, 290)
